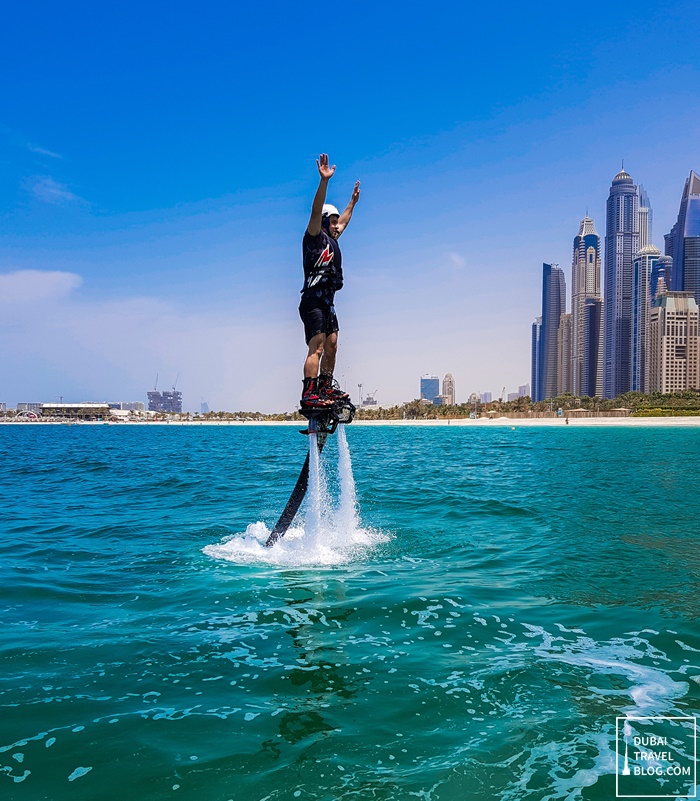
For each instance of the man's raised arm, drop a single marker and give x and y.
(347, 214)
(326, 173)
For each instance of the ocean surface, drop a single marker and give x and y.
(470, 628)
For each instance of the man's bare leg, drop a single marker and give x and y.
(313, 359)
(311, 396)
(330, 350)
(326, 385)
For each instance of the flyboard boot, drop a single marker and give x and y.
(311, 397)
(329, 388)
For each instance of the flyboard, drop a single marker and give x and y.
(322, 422)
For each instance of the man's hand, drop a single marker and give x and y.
(324, 170)
(326, 173)
(347, 214)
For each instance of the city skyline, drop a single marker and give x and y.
(640, 353)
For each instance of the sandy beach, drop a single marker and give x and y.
(600, 422)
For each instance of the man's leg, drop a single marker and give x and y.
(330, 350)
(313, 359)
(326, 385)
(311, 397)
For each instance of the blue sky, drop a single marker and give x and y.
(157, 169)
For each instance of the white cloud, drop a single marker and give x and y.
(31, 286)
(42, 151)
(50, 191)
(19, 140)
(457, 260)
(59, 342)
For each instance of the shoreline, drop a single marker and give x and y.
(499, 422)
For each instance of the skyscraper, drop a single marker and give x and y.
(674, 344)
(448, 389)
(660, 276)
(429, 387)
(644, 263)
(621, 246)
(592, 369)
(553, 306)
(645, 218)
(585, 284)
(564, 384)
(683, 241)
(535, 359)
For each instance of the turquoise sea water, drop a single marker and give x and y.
(508, 594)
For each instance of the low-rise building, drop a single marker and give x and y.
(29, 407)
(76, 411)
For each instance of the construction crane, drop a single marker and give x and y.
(176, 380)
(155, 386)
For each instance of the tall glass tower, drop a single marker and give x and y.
(645, 265)
(553, 306)
(621, 246)
(535, 359)
(585, 284)
(645, 218)
(592, 375)
(683, 242)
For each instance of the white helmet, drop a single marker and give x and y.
(329, 210)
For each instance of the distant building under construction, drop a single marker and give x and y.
(169, 402)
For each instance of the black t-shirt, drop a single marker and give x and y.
(323, 271)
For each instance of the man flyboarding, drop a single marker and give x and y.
(323, 277)
(322, 401)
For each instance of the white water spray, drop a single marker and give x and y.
(328, 534)
(315, 494)
(346, 518)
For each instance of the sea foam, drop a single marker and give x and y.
(329, 534)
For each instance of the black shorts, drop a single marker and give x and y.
(318, 318)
